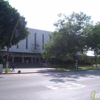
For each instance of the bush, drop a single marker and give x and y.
(55, 62)
(84, 63)
(60, 62)
(1, 61)
(43, 61)
(68, 62)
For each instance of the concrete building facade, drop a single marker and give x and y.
(29, 49)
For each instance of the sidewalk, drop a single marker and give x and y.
(39, 70)
(31, 70)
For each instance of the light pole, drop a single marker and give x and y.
(9, 44)
(95, 53)
(76, 60)
(2, 31)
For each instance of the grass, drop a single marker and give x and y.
(4, 69)
(88, 67)
(80, 67)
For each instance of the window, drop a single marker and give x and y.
(42, 41)
(35, 42)
(26, 43)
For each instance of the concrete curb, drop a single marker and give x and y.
(41, 71)
(82, 70)
(46, 71)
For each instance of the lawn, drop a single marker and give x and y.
(4, 69)
(80, 67)
(88, 67)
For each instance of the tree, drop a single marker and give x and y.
(35, 48)
(69, 37)
(93, 40)
(9, 16)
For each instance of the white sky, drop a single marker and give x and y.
(41, 14)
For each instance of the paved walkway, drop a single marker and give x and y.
(38, 70)
(30, 70)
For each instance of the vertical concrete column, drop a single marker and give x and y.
(13, 59)
(39, 59)
(22, 59)
(31, 59)
(35, 59)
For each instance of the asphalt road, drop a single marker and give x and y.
(76, 85)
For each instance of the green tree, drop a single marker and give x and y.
(69, 37)
(93, 40)
(9, 16)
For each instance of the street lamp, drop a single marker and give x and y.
(16, 33)
(76, 60)
(96, 54)
(2, 31)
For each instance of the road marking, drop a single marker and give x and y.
(66, 85)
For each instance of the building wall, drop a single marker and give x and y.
(31, 40)
(21, 53)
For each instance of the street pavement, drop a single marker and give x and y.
(68, 85)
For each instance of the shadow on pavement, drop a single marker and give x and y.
(1, 77)
(63, 76)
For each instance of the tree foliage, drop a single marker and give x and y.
(69, 37)
(93, 40)
(8, 19)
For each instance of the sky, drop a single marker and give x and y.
(42, 14)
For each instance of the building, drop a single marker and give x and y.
(29, 49)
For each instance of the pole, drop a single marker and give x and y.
(2, 31)
(14, 31)
(9, 44)
(76, 61)
(76, 65)
(7, 62)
